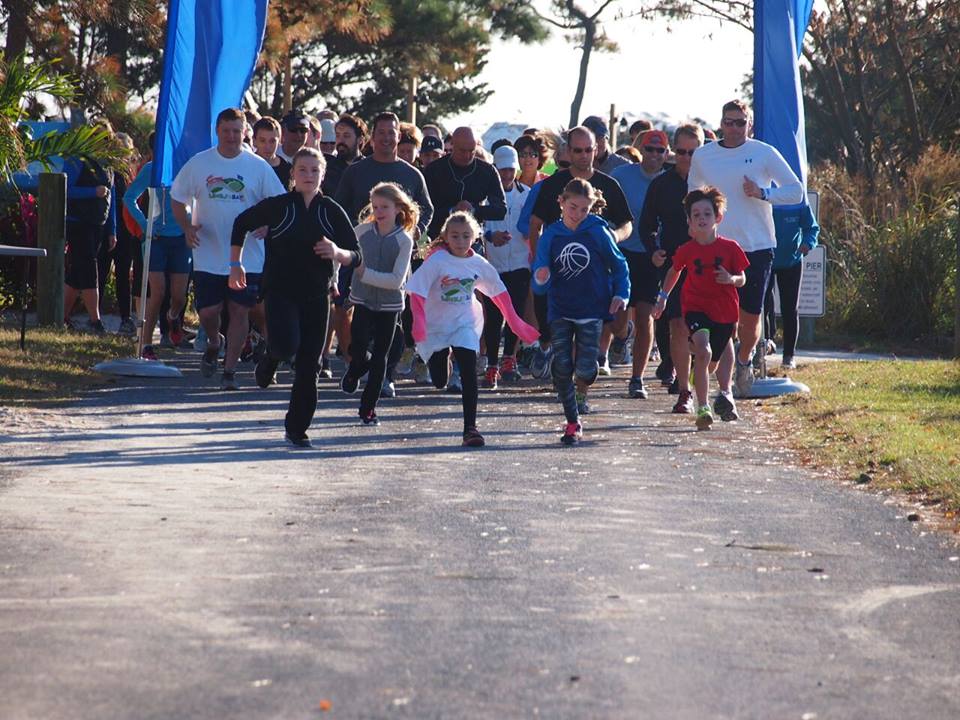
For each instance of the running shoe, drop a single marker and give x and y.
(490, 378)
(300, 441)
(583, 407)
(724, 406)
(388, 389)
(127, 327)
(684, 404)
(349, 383)
(742, 379)
(524, 356)
(266, 372)
(149, 353)
(572, 433)
(166, 342)
(95, 327)
(771, 347)
(209, 361)
(674, 388)
(229, 381)
(482, 364)
(619, 346)
(508, 370)
(788, 363)
(325, 372)
(201, 341)
(421, 373)
(540, 362)
(369, 419)
(665, 373)
(259, 350)
(472, 438)
(405, 365)
(175, 331)
(604, 364)
(453, 383)
(704, 418)
(655, 356)
(636, 390)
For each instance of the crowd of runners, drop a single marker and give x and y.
(408, 252)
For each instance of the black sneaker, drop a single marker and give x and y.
(472, 438)
(674, 388)
(301, 441)
(349, 383)
(325, 372)
(572, 432)
(725, 408)
(636, 389)
(370, 418)
(266, 372)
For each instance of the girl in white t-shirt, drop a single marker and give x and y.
(447, 315)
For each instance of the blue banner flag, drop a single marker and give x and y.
(778, 30)
(210, 55)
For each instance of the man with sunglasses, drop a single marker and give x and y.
(603, 160)
(754, 177)
(582, 146)
(635, 179)
(296, 127)
(663, 227)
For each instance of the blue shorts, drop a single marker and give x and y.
(210, 290)
(758, 277)
(170, 254)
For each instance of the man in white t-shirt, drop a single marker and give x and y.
(217, 185)
(754, 177)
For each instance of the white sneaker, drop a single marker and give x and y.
(604, 368)
(742, 380)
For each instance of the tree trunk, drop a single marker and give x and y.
(17, 12)
(589, 26)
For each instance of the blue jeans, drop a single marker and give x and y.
(567, 364)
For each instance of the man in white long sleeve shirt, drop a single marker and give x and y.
(754, 177)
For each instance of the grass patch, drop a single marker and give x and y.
(56, 365)
(894, 425)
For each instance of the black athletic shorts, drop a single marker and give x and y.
(758, 277)
(644, 278)
(719, 333)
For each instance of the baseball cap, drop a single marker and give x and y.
(295, 119)
(431, 143)
(328, 131)
(649, 135)
(596, 125)
(506, 157)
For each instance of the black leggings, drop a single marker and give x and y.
(124, 257)
(467, 360)
(788, 285)
(540, 310)
(297, 329)
(377, 327)
(83, 244)
(518, 285)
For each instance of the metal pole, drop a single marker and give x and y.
(613, 127)
(51, 232)
(145, 273)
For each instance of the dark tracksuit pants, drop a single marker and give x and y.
(379, 329)
(518, 286)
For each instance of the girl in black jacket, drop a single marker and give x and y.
(309, 235)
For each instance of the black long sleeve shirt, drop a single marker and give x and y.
(663, 221)
(448, 184)
(290, 266)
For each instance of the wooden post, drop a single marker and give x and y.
(614, 127)
(956, 295)
(412, 100)
(51, 234)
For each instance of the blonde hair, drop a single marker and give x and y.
(408, 212)
(460, 217)
(582, 188)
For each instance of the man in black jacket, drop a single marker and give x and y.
(460, 181)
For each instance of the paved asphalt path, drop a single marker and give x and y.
(163, 554)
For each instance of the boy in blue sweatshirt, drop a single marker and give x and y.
(586, 280)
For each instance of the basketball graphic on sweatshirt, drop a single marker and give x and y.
(573, 260)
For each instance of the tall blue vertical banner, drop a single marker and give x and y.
(209, 58)
(778, 30)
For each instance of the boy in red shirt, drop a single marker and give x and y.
(709, 302)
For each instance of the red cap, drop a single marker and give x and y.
(651, 134)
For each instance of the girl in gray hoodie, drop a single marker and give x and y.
(385, 237)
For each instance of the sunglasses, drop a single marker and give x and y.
(578, 151)
(730, 122)
(527, 155)
(654, 149)
(682, 152)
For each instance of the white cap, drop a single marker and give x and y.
(506, 157)
(328, 131)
